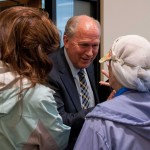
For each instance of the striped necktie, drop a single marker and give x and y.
(84, 89)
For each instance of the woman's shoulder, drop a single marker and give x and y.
(40, 92)
(40, 98)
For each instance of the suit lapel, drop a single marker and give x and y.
(68, 80)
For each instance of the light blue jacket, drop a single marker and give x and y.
(122, 123)
(32, 123)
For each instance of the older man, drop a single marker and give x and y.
(72, 76)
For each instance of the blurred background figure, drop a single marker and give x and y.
(123, 122)
(28, 113)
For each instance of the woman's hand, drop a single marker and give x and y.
(107, 84)
(107, 75)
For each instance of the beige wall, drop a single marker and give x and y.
(121, 17)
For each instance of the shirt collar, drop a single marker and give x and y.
(121, 91)
(73, 69)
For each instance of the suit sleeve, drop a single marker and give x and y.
(60, 96)
(72, 118)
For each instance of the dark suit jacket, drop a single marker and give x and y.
(66, 96)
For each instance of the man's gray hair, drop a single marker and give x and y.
(72, 24)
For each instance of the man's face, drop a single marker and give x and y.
(83, 47)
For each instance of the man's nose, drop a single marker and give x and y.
(90, 51)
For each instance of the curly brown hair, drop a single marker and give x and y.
(27, 36)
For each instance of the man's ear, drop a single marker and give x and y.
(65, 39)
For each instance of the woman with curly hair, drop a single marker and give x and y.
(28, 113)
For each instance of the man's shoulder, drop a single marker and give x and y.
(57, 59)
(56, 54)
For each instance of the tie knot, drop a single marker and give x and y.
(81, 72)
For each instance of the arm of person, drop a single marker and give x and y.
(74, 119)
(49, 132)
(55, 124)
(68, 117)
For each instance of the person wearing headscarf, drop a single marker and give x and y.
(29, 119)
(122, 123)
